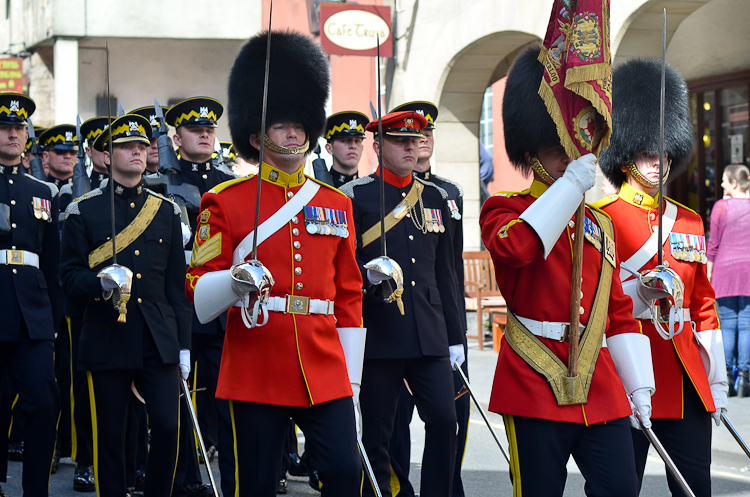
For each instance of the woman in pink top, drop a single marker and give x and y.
(729, 271)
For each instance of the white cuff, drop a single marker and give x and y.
(631, 353)
(213, 295)
(550, 213)
(711, 347)
(353, 342)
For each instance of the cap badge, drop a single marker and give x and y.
(420, 112)
(14, 105)
(409, 122)
(204, 111)
(352, 124)
(133, 125)
(68, 136)
(152, 119)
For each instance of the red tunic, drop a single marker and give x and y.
(295, 359)
(539, 289)
(635, 215)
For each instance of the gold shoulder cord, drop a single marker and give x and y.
(394, 217)
(567, 390)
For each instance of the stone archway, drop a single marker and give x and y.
(464, 82)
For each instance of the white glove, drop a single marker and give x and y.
(642, 400)
(108, 286)
(186, 234)
(457, 357)
(719, 394)
(376, 277)
(582, 172)
(185, 363)
(241, 288)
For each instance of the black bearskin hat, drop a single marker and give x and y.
(526, 123)
(636, 93)
(298, 85)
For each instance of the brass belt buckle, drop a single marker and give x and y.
(566, 334)
(14, 257)
(296, 304)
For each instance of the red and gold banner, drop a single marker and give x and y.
(577, 82)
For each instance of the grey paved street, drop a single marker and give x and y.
(485, 472)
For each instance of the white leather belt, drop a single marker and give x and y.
(646, 315)
(19, 257)
(296, 304)
(547, 329)
(552, 330)
(188, 256)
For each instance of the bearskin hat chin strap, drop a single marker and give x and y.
(274, 147)
(633, 170)
(538, 168)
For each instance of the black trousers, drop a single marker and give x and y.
(260, 429)
(400, 447)
(63, 362)
(430, 380)
(29, 364)
(686, 440)
(540, 449)
(110, 395)
(82, 438)
(207, 350)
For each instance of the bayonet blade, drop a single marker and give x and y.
(374, 112)
(120, 109)
(32, 133)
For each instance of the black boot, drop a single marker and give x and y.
(730, 380)
(743, 388)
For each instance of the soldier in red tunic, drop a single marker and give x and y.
(529, 235)
(689, 366)
(290, 362)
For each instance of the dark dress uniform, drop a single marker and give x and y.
(32, 307)
(400, 447)
(145, 349)
(207, 341)
(413, 346)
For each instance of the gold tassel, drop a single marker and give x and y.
(123, 311)
(396, 295)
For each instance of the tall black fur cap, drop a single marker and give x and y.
(298, 85)
(636, 93)
(526, 123)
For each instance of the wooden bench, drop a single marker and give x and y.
(483, 295)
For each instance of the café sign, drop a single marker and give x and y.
(349, 29)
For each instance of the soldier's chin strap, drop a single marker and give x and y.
(538, 168)
(633, 170)
(275, 147)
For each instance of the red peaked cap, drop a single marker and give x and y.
(404, 123)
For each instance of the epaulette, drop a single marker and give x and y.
(73, 206)
(348, 188)
(604, 202)
(597, 208)
(52, 188)
(223, 186)
(174, 204)
(326, 185)
(443, 193)
(66, 189)
(683, 206)
(458, 186)
(512, 194)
